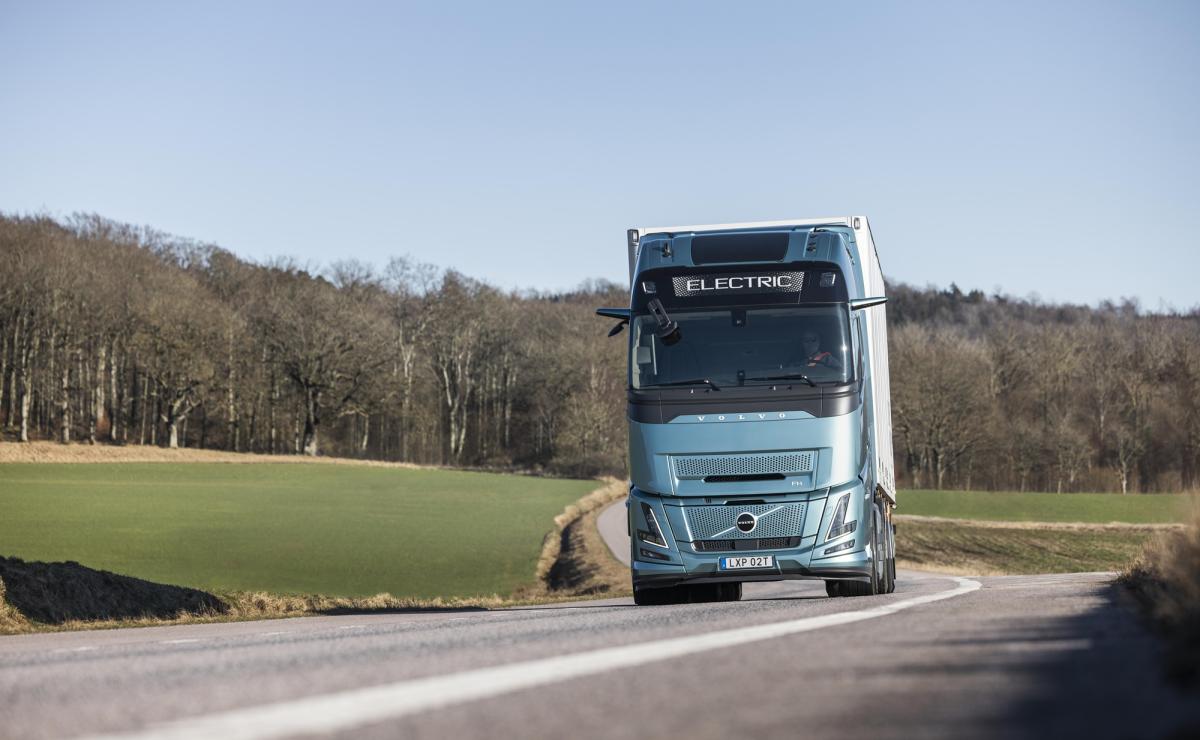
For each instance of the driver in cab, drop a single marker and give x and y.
(814, 356)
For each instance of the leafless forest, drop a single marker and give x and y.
(113, 334)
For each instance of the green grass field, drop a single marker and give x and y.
(963, 548)
(340, 530)
(1094, 508)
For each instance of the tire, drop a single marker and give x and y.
(704, 593)
(875, 585)
(888, 582)
(891, 561)
(833, 589)
(730, 591)
(659, 596)
(646, 596)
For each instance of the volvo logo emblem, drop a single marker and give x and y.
(746, 522)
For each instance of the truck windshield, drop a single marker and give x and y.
(745, 346)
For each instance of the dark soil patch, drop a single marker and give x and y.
(570, 571)
(53, 593)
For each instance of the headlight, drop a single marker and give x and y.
(838, 526)
(654, 536)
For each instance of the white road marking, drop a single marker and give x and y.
(177, 642)
(347, 710)
(270, 634)
(1047, 583)
(1045, 646)
(74, 650)
(353, 627)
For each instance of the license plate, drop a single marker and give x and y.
(748, 561)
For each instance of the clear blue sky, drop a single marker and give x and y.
(1047, 148)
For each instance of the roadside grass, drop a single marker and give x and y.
(11, 620)
(1098, 508)
(576, 560)
(69, 596)
(987, 548)
(338, 530)
(1165, 581)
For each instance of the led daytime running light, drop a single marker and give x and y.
(838, 526)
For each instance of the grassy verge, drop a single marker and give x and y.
(575, 563)
(1096, 508)
(1165, 581)
(11, 620)
(992, 548)
(242, 606)
(341, 530)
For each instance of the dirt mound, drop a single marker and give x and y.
(54, 593)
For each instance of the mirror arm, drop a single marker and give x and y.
(621, 314)
(860, 303)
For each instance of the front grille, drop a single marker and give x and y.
(763, 543)
(742, 478)
(774, 520)
(703, 466)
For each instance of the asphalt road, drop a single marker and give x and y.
(1042, 656)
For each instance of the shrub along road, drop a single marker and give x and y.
(942, 657)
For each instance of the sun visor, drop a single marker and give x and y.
(753, 247)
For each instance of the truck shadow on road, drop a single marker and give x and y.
(1098, 673)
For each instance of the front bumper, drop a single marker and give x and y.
(678, 560)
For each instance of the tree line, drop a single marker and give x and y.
(116, 334)
(123, 335)
(997, 393)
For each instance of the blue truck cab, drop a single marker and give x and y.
(759, 409)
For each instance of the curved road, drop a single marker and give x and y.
(941, 657)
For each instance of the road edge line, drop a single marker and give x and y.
(345, 710)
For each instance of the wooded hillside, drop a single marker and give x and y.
(116, 334)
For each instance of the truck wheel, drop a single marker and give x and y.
(833, 589)
(890, 563)
(878, 563)
(884, 538)
(659, 596)
(646, 596)
(731, 591)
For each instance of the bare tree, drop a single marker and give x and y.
(940, 396)
(324, 342)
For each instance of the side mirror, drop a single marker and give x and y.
(858, 303)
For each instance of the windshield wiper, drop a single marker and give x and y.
(789, 376)
(693, 381)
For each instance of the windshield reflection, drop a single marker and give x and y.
(745, 346)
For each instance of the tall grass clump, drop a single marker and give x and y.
(11, 620)
(1165, 580)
